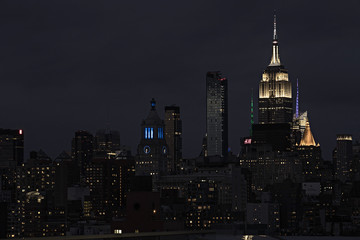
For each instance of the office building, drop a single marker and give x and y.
(275, 97)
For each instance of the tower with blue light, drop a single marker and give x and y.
(152, 152)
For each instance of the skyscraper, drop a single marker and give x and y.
(82, 149)
(343, 157)
(275, 98)
(173, 131)
(216, 114)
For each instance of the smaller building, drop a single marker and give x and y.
(342, 157)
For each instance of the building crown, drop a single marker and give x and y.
(153, 117)
(308, 138)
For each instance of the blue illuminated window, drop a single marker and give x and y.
(160, 133)
(149, 133)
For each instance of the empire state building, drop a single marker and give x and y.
(275, 98)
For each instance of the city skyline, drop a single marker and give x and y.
(75, 71)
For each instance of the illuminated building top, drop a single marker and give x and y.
(344, 137)
(275, 94)
(275, 79)
(308, 138)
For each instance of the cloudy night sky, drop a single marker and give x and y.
(71, 65)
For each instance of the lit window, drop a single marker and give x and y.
(160, 133)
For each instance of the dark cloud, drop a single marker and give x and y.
(69, 65)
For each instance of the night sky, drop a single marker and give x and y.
(70, 65)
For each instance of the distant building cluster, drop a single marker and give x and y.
(278, 184)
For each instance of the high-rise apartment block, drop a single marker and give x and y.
(173, 132)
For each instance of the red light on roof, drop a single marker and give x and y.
(247, 141)
(222, 79)
(20, 131)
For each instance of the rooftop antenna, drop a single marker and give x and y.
(274, 36)
(297, 98)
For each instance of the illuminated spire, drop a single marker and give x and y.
(308, 138)
(275, 59)
(274, 36)
(251, 111)
(297, 98)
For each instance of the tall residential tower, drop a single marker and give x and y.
(342, 157)
(216, 114)
(173, 131)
